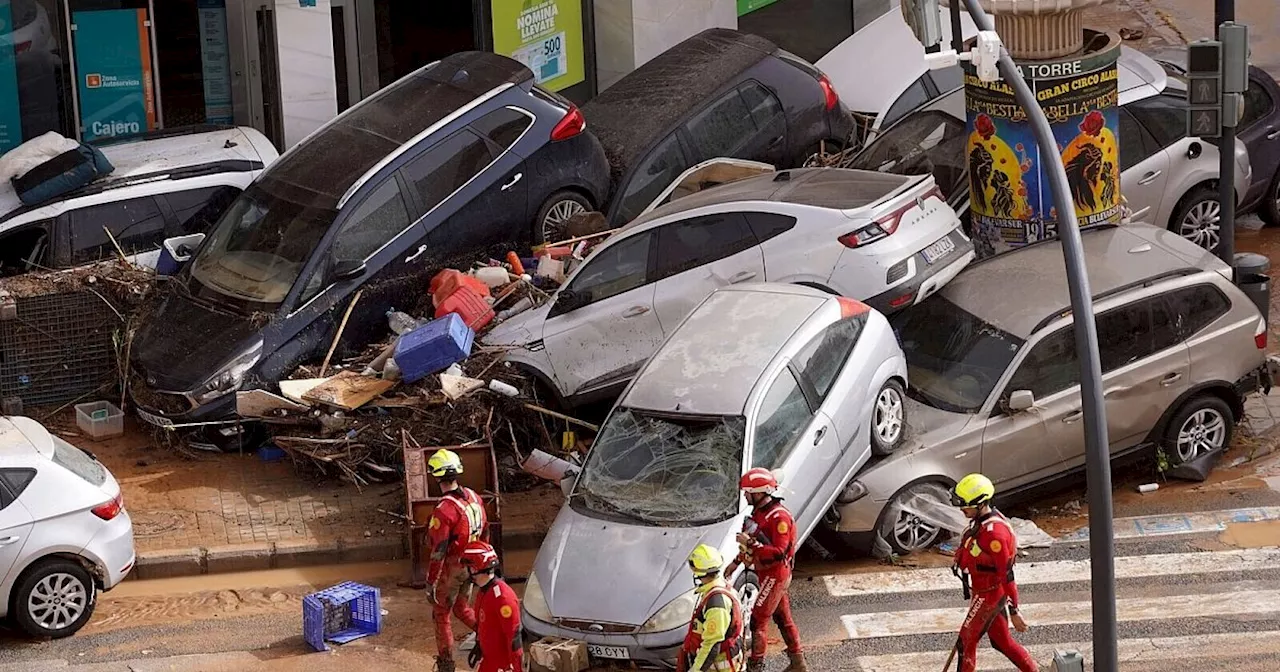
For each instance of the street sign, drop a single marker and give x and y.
(1204, 82)
(1205, 92)
(1205, 122)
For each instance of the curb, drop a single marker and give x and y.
(258, 556)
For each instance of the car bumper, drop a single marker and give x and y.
(929, 278)
(113, 551)
(655, 650)
(1260, 379)
(223, 408)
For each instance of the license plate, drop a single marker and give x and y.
(939, 249)
(611, 652)
(154, 419)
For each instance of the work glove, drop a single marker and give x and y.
(431, 593)
(474, 657)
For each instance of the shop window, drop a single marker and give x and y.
(810, 28)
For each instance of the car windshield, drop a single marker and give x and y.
(664, 469)
(954, 358)
(257, 249)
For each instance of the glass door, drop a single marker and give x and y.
(264, 71)
(114, 68)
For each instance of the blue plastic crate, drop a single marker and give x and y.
(433, 347)
(340, 614)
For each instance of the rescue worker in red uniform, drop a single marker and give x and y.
(459, 518)
(499, 646)
(769, 548)
(714, 640)
(987, 552)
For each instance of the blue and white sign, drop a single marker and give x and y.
(113, 66)
(215, 61)
(10, 108)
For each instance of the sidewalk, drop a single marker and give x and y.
(214, 513)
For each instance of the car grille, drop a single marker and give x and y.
(590, 626)
(164, 403)
(897, 272)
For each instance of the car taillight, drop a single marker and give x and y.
(829, 90)
(851, 307)
(885, 226)
(901, 300)
(571, 125)
(21, 47)
(1260, 334)
(111, 509)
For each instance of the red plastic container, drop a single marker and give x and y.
(446, 282)
(469, 305)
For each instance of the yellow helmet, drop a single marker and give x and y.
(705, 561)
(973, 490)
(445, 464)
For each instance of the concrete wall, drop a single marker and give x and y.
(308, 89)
(630, 32)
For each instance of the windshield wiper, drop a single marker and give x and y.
(921, 396)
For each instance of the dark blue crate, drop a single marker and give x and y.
(270, 453)
(345, 612)
(433, 347)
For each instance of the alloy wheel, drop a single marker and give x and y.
(57, 601)
(888, 416)
(553, 224)
(1204, 432)
(912, 533)
(1202, 224)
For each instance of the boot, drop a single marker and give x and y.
(444, 663)
(755, 666)
(797, 663)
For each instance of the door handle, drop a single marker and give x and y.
(742, 277)
(1140, 213)
(1170, 379)
(635, 311)
(1274, 134)
(515, 178)
(8, 540)
(1073, 416)
(1150, 177)
(1116, 390)
(817, 436)
(415, 255)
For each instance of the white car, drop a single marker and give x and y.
(779, 377)
(888, 242)
(64, 533)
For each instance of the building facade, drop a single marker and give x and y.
(95, 69)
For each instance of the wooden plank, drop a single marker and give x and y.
(348, 390)
(294, 389)
(261, 404)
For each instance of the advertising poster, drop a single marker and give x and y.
(215, 61)
(545, 35)
(1011, 205)
(113, 63)
(10, 110)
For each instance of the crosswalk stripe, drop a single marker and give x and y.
(931, 621)
(1060, 571)
(1232, 644)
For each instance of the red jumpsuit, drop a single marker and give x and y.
(772, 561)
(987, 552)
(498, 628)
(459, 518)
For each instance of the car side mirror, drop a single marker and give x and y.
(1194, 151)
(566, 483)
(347, 270)
(568, 300)
(1021, 400)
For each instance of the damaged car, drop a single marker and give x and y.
(786, 378)
(995, 384)
(884, 239)
(451, 162)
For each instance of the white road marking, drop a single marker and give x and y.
(931, 621)
(1060, 571)
(1232, 644)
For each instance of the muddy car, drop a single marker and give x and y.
(450, 163)
(995, 384)
(762, 375)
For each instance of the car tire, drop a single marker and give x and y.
(747, 586)
(1203, 424)
(1193, 218)
(1269, 210)
(53, 599)
(904, 531)
(888, 419)
(808, 158)
(549, 225)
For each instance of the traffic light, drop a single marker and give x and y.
(1204, 84)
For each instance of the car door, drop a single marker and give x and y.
(602, 326)
(699, 255)
(15, 521)
(135, 226)
(1144, 167)
(503, 207)
(791, 434)
(453, 182)
(1260, 126)
(747, 122)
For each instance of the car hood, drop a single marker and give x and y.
(521, 329)
(581, 557)
(929, 426)
(184, 343)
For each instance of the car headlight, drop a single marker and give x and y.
(230, 377)
(676, 614)
(534, 601)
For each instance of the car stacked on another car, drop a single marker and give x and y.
(995, 383)
(782, 377)
(888, 240)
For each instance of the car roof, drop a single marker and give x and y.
(643, 106)
(712, 361)
(1117, 258)
(837, 188)
(379, 125)
(22, 440)
(159, 154)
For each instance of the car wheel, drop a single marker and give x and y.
(1270, 208)
(810, 157)
(1198, 218)
(888, 419)
(1202, 426)
(54, 599)
(555, 212)
(904, 528)
(747, 585)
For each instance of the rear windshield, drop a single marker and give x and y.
(78, 462)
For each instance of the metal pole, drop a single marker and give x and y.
(1097, 454)
(957, 38)
(1223, 11)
